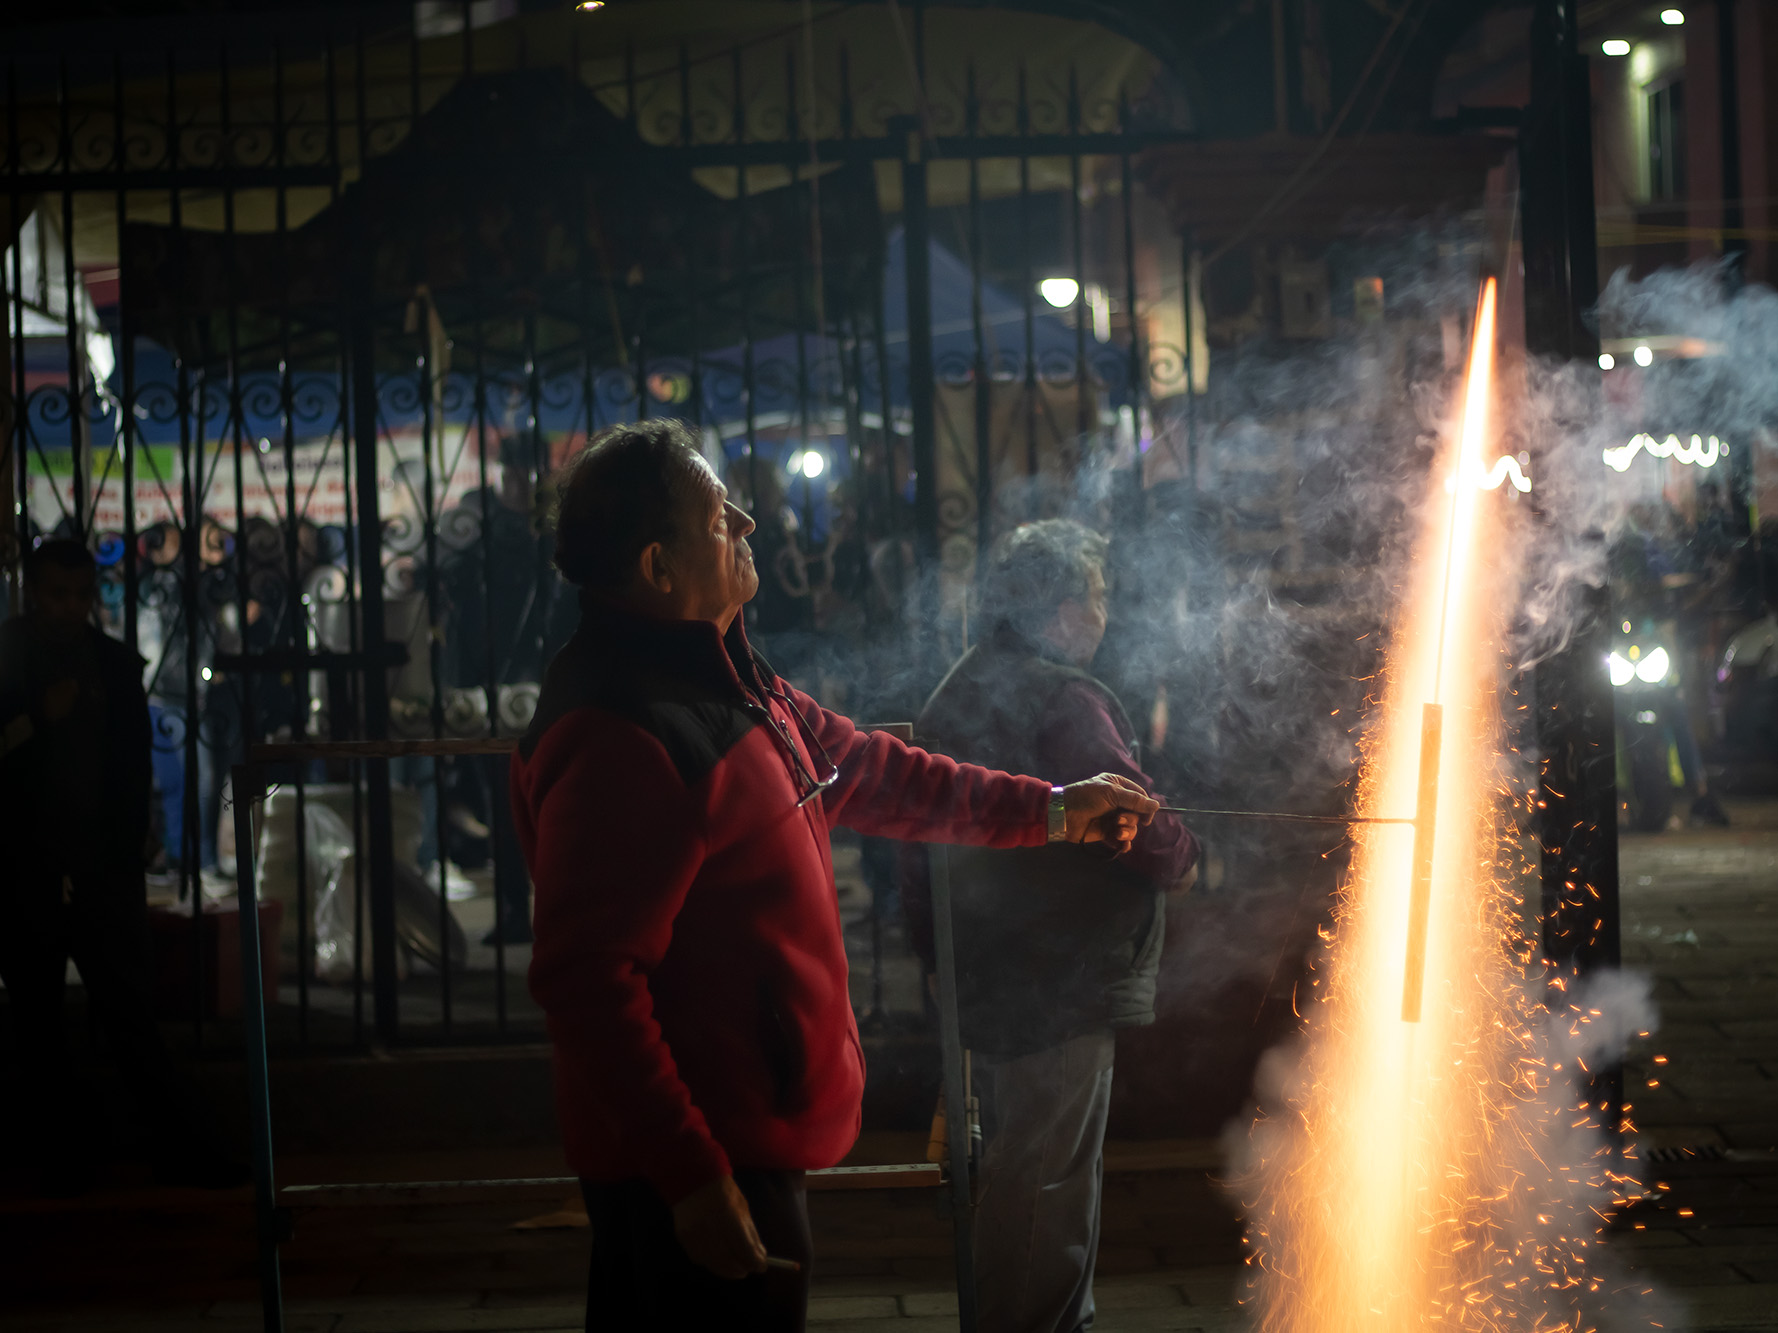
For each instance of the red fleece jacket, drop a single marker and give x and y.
(688, 952)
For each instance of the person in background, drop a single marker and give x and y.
(674, 796)
(74, 793)
(1057, 947)
(509, 614)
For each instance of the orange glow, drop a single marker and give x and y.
(1405, 1175)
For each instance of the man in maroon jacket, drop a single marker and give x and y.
(673, 798)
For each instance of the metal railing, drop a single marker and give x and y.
(271, 1217)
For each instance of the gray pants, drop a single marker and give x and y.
(1037, 1214)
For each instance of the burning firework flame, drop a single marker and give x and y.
(1422, 1166)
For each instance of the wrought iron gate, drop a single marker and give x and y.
(373, 289)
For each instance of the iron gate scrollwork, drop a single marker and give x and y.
(389, 286)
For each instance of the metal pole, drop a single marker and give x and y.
(126, 367)
(296, 606)
(983, 386)
(1083, 398)
(191, 534)
(20, 444)
(1728, 84)
(1577, 781)
(956, 1083)
(1187, 259)
(379, 804)
(267, 1223)
(917, 251)
(79, 424)
(1027, 290)
(1743, 494)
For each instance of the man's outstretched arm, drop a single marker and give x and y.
(893, 790)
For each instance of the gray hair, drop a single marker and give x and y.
(1036, 567)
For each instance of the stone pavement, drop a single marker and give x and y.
(1700, 916)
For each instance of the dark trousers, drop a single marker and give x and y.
(642, 1279)
(103, 927)
(1038, 1190)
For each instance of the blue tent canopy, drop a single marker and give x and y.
(777, 396)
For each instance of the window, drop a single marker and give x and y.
(1666, 141)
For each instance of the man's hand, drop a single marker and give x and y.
(1108, 808)
(59, 697)
(715, 1227)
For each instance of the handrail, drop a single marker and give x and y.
(283, 752)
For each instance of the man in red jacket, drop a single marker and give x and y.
(673, 798)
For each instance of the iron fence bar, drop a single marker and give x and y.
(891, 516)
(685, 121)
(266, 753)
(958, 1132)
(1083, 422)
(191, 518)
(851, 365)
(431, 432)
(490, 680)
(757, 153)
(191, 178)
(580, 211)
(797, 280)
(348, 702)
(855, 394)
(1138, 369)
(889, 1176)
(16, 314)
(126, 365)
(744, 265)
(694, 295)
(244, 679)
(1030, 327)
(917, 246)
(245, 783)
(630, 84)
(695, 306)
(295, 612)
(1187, 262)
(379, 811)
(982, 386)
(846, 126)
(79, 454)
(589, 384)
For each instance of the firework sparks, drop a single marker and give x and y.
(1424, 1174)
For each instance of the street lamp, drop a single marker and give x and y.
(1059, 292)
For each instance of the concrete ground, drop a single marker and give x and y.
(1700, 917)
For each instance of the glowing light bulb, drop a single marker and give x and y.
(1673, 17)
(589, 6)
(1059, 292)
(1615, 46)
(1644, 355)
(813, 464)
(1606, 361)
